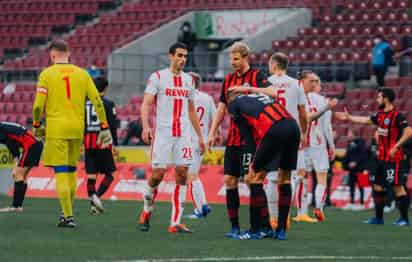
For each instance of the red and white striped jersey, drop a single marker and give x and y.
(289, 93)
(316, 131)
(172, 93)
(206, 110)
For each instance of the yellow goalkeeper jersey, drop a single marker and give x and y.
(62, 90)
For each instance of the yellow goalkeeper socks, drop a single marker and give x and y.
(73, 184)
(64, 193)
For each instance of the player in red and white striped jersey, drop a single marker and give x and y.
(172, 92)
(206, 109)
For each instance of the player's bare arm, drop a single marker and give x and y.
(315, 115)
(406, 135)
(346, 116)
(145, 111)
(195, 123)
(217, 120)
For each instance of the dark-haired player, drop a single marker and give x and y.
(393, 131)
(269, 126)
(172, 92)
(26, 149)
(99, 160)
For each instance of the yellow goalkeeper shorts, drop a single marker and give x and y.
(61, 152)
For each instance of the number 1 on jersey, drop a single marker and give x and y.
(67, 80)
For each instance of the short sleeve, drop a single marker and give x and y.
(222, 97)
(401, 121)
(374, 118)
(261, 80)
(152, 85)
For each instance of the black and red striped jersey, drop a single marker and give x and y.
(251, 78)
(390, 128)
(15, 136)
(93, 125)
(255, 114)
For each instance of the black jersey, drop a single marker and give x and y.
(92, 125)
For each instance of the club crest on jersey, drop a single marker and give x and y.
(387, 121)
(179, 92)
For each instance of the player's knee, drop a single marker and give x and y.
(378, 188)
(284, 176)
(230, 181)
(91, 176)
(158, 173)
(181, 171)
(399, 190)
(18, 174)
(109, 175)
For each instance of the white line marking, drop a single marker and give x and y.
(273, 258)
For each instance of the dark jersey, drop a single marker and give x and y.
(92, 125)
(15, 136)
(252, 78)
(255, 114)
(390, 128)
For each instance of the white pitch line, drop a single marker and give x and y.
(273, 258)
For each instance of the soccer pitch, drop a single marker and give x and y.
(113, 236)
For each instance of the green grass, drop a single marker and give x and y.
(33, 236)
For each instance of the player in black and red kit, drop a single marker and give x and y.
(237, 157)
(268, 125)
(26, 149)
(393, 131)
(99, 160)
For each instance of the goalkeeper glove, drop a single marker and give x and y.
(104, 139)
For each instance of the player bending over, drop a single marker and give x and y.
(26, 150)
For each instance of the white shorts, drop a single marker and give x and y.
(197, 160)
(168, 150)
(316, 158)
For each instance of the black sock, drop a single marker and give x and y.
(379, 198)
(91, 186)
(403, 205)
(18, 194)
(285, 195)
(232, 205)
(257, 203)
(24, 193)
(104, 185)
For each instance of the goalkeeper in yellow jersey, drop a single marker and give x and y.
(62, 90)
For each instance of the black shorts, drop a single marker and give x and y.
(279, 146)
(392, 173)
(237, 160)
(99, 161)
(30, 157)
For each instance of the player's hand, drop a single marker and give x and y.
(238, 89)
(39, 132)
(115, 152)
(146, 135)
(331, 154)
(218, 140)
(343, 116)
(210, 140)
(202, 146)
(303, 141)
(104, 139)
(393, 151)
(332, 103)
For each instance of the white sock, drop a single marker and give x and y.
(149, 196)
(196, 193)
(304, 200)
(272, 197)
(295, 184)
(178, 204)
(320, 195)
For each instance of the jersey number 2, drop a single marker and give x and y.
(201, 111)
(67, 80)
